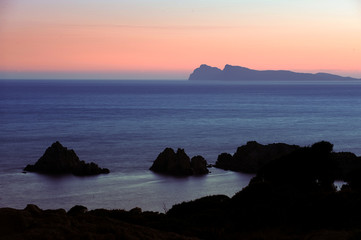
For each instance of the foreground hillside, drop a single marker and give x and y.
(291, 197)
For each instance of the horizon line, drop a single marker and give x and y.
(146, 74)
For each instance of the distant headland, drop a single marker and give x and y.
(236, 73)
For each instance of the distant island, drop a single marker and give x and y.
(236, 73)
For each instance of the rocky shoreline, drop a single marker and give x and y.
(253, 156)
(291, 197)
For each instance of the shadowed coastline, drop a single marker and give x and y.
(291, 197)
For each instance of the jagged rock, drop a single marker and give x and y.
(174, 163)
(33, 209)
(346, 163)
(60, 160)
(199, 165)
(224, 161)
(251, 157)
(136, 210)
(77, 209)
(178, 163)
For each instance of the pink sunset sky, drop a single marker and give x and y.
(164, 39)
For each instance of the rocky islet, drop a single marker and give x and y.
(58, 159)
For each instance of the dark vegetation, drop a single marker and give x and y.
(57, 159)
(251, 157)
(291, 197)
(78, 224)
(294, 160)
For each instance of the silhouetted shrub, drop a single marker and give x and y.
(306, 168)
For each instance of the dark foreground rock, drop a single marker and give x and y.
(35, 223)
(57, 159)
(253, 156)
(178, 163)
(291, 197)
(260, 211)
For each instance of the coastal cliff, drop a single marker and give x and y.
(236, 73)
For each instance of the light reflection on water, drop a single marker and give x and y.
(143, 189)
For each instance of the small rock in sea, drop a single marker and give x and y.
(57, 159)
(199, 165)
(178, 163)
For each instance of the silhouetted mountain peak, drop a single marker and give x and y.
(228, 67)
(205, 66)
(208, 72)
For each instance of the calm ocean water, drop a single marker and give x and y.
(124, 125)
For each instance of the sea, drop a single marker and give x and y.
(123, 125)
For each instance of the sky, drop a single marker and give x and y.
(167, 39)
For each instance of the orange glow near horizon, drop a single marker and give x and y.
(264, 37)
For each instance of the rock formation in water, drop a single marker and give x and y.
(57, 159)
(199, 165)
(178, 163)
(234, 73)
(251, 157)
